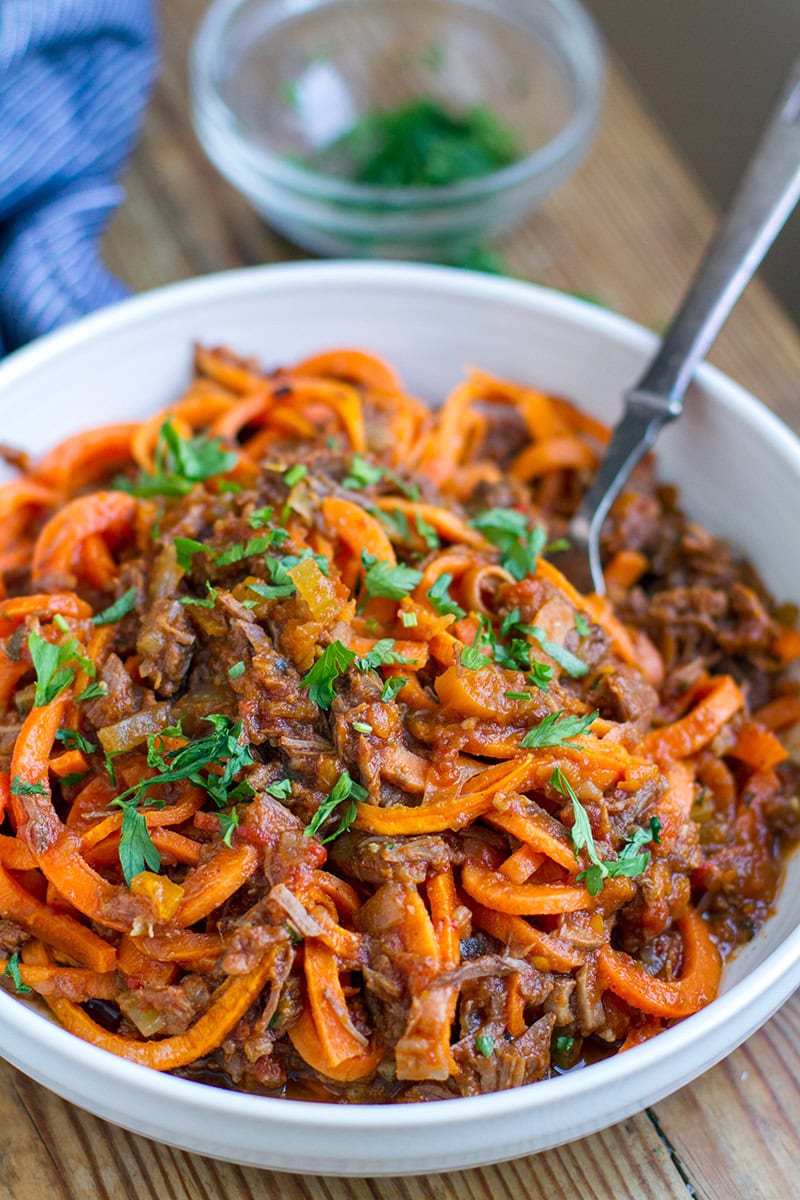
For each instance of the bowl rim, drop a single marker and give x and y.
(776, 977)
(584, 50)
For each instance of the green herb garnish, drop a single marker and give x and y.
(20, 788)
(12, 970)
(422, 144)
(236, 670)
(117, 610)
(382, 579)
(556, 729)
(484, 1044)
(75, 741)
(180, 463)
(136, 849)
(227, 823)
(333, 662)
(440, 598)
(393, 685)
(49, 662)
(345, 788)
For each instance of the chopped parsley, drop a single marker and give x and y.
(421, 143)
(428, 534)
(49, 662)
(362, 727)
(236, 670)
(582, 625)
(294, 474)
(565, 658)
(440, 598)
(260, 517)
(633, 859)
(200, 601)
(227, 823)
(136, 849)
(192, 761)
(383, 654)
(408, 619)
(362, 473)
(540, 674)
(12, 970)
(484, 1044)
(282, 584)
(20, 788)
(117, 610)
(382, 579)
(333, 662)
(508, 532)
(281, 789)
(556, 729)
(393, 685)
(472, 657)
(242, 550)
(75, 741)
(345, 789)
(92, 692)
(180, 463)
(518, 695)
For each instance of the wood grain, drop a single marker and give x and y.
(628, 228)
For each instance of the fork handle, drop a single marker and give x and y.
(766, 195)
(769, 190)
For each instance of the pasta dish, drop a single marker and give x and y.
(319, 779)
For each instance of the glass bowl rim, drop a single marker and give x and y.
(584, 51)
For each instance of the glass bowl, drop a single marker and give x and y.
(276, 83)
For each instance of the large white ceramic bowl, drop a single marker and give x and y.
(739, 470)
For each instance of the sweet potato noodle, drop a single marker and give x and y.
(320, 779)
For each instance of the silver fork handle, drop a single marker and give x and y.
(769, 190)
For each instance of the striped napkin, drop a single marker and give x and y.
(74, 79)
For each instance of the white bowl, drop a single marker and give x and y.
(739, 471)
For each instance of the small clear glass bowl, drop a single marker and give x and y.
(275, 82)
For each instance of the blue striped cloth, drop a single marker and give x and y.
(74, 79)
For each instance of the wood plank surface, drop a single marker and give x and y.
(628, 228)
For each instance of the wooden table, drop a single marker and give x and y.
(628, 228)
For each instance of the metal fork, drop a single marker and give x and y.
(767, 193)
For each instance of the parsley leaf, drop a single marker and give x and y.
(20, 788)
(556, 729)
(362, 727)
(345, 788)
(185, 550)
(260, 517)
(92, 692)
(136, 849)
(294, 474)
(540, 675)
(472, 657)
(12, 970)
(180, 463)
(633, 859)
(334, 660)
(241, 550)
(565, 658)
(382, 579)
(75, 741)
(49, 659)
(518, 695)
(484, 1044)
(408, 619)
(202, 602)
(508, 532)
(440, 598)
(362, 474)
(236, 670)
(582, 625)
(427, 533)
(227, 823)
(191, 760)
(382, 654)
(281, 789)
(117, 610)
(393, 685)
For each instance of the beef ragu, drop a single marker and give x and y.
(318, 777)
